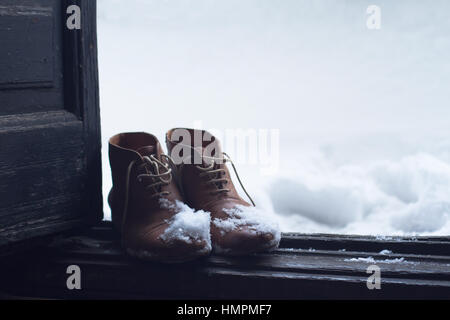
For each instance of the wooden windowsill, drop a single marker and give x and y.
(305, 267)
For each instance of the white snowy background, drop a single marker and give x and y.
(363, 114)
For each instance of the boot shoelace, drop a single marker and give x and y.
(152, 178)
(214, 176)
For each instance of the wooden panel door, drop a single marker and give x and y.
(50, 168)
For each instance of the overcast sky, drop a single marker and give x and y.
(293, 64)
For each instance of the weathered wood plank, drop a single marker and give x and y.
(17, 122)
(90, 110)
(15, 239)
(410, 266)
(39, 162)
(22, 215)
(413, 245)
(82, 96)
(286, 273)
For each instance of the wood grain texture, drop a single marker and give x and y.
(42, 173)
(411, 245)
(82, 98)
(91, 112)
(292, 272)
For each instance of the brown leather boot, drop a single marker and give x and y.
(237, 228)
(147, 207)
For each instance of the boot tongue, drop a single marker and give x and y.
(146, 151)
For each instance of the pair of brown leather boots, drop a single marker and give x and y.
(179, 207)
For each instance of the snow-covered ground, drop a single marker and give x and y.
(363, 115)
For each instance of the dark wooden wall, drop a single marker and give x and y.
(50, 168)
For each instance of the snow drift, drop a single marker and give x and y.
(405, 197)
